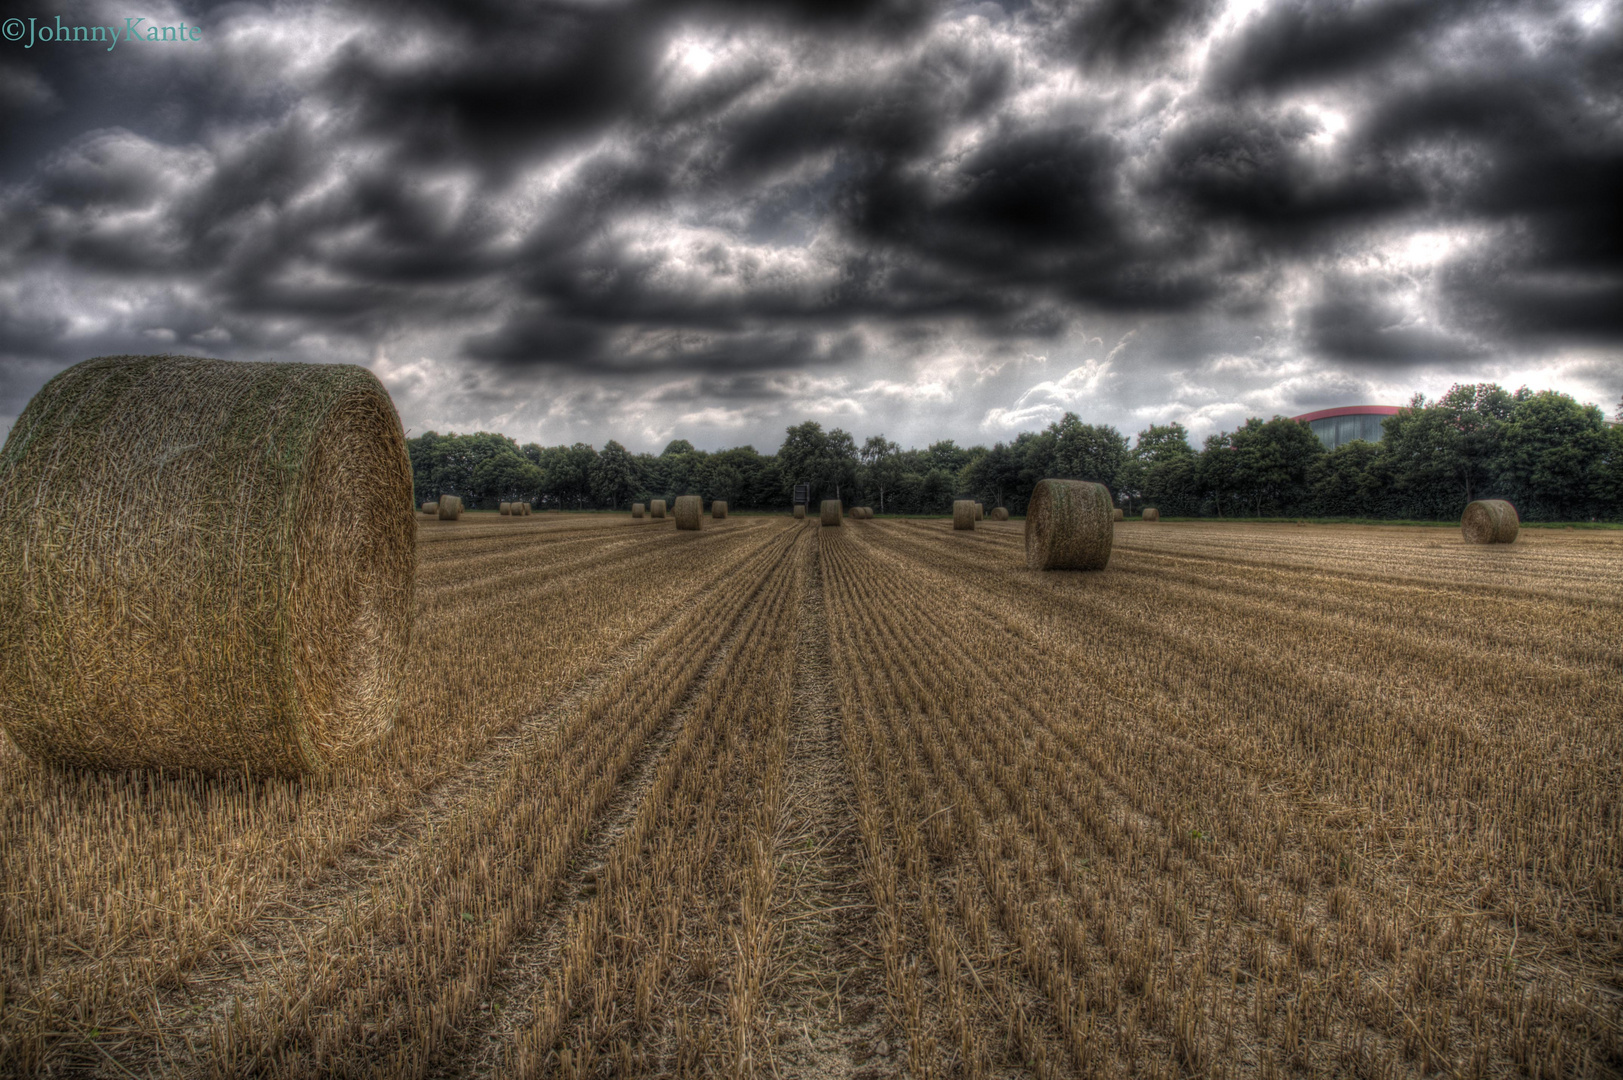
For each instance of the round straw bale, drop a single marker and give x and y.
(505, 509)
(637, 510)
(528, 509)
(963, 515)
(800, 510)
(431, 507)
(718, 508)
(1490, 521)
(259, 621)
(689, 512)
(450, 508)
(1116, 514)
(1000, 513)
(980, 512)
(867, 513)
(831, 512)
(1151, 514)
(656, 508)
(1068, 526)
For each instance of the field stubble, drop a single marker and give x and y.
(770, 799)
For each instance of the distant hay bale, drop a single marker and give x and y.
(831, 512)
(800, 510)
(656, 509)
(1151, 514)
(1490, 521)
(718, 509)
(450, 508)
(1116, 514)
(526, 509)
(980, 512)
(963, 515)
(241, 601)
(867, 513)
(1000, 513)
(505, 509)
(637, 510)
(689, 512)
(431, 507)
(1068, 526)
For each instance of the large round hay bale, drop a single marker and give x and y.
(1151, 514)
(689, 512)
(505, 509)
(963, 514)
(1068, 526)
(980, 512)
(831, 512)
(1000, 513)
(431, 507)
(1490, 521)
(1116, 514)
(242, 598)
(800, 510)
(718, 509)
(450, 508)
(525, 509)
(637, 510)
(656, 508)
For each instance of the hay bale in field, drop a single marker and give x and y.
(637, 510)
(1151, 514)
(867, 513)
(718, 509)
(505, 509)
(1000, 513)
(1068, 526)
(800, 510)
(831, 512)
(526, 509)
(244, 600)
(431, 507)
(689, 512)
(1490, 521)
(656, 508)
(980, 512)
(450, 508)
(963, 515)
(1116, 514)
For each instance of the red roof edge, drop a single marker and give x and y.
(1350, 410)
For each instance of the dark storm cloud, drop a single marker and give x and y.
(739, 194)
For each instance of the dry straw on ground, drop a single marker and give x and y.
(689, 512)
(1116, 514)
(656, 509)
(963, 514)
(1000, 513)
(243, 598)
(450, 507)
(1490, 521)
(718, 509)
(1151, 514)
(831, 512)
(800, 510)
(1068, 526)
(431, 507)
(637, 510)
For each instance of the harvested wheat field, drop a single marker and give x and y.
(868, 802)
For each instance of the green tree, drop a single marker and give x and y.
(881, 464)
(1442, 454)
(613, 475)
(1094, 452)
(1550, 451)
(1161, 469)
(1272, 460)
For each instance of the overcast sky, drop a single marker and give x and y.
(641, 221)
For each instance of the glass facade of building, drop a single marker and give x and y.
(1333, 431)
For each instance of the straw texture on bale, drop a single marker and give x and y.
(1068, 526)
(450, 508)
(1490, 521)
(689, 512)
(1116, 514)
(980, 512)
(831, 512)
(241, 598)
(1000, 513)
(637, 510)
(1151, 514)
(505, 509)
(718, 508)
(800, 510)
(656, 508)
(431, 507)
(525, 509)
(963, 515)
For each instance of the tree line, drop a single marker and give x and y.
(1553, 457)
